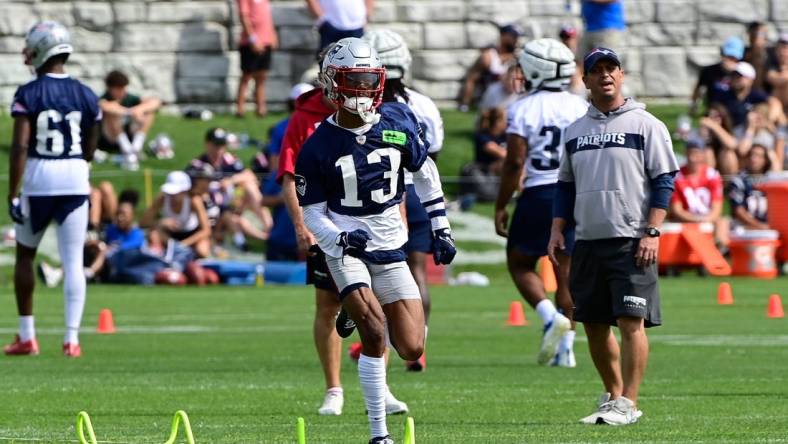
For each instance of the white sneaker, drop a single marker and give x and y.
(332, 403)
(130, 162)
(564, 358)
(551, 338)
(394, 406)
(49, 274)
(621, 412)
(602, 405)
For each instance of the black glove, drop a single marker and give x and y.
(15, 210)
(443, 250)
(354, 242)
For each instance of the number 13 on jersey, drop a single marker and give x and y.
(350, 177)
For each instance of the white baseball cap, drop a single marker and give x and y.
(299, 89)
(177, 182)
(745, 70)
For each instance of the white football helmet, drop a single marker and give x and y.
(547, 63)
(45, 40)
(353, 77)
(392, 50)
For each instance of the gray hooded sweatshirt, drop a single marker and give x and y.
(611, 158)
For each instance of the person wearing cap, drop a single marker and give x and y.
(716, 79)
(490, 66)
(740, 98)
(615, 182)
(605, 24)
(202, 175)
(698, 195)
(777, 73)
(232, 177)
(179, 215)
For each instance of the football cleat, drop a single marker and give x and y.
(394, 406)
(551, 338)
(622, 411)
(344, 324)
(332, 403)
(564, 358)
(418, 365)
(382, 440)
(49, 275)
(602, 405)
(21, 348)
(354, 351)
(72, 350)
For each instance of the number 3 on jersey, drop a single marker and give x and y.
(350, 178)
(44, 133)
(550, 157)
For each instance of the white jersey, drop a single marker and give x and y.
(59, 177)
(540, 118)
(344, 15)
(429, 116)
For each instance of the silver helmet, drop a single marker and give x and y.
(45, 40)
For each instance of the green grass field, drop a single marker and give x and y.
(241, 362)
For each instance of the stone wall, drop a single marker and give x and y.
(184, 50)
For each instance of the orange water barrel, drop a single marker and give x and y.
(777, 195)
(753, 253)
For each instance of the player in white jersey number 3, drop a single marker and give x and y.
(349, 180)
(535, 142)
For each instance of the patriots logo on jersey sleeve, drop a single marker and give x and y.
(300, 184)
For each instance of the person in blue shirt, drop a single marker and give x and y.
(605, 25)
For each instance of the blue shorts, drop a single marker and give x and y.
(419, 226)
(529, 230)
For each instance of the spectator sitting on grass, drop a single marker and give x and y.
(127, 118)
(179, 215)
(716, 134)
(698, 193)
(490, 141)
(749, 205)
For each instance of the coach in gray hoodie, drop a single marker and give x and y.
(615, 183)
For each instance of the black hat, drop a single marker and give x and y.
(510, 29)
(217, 136)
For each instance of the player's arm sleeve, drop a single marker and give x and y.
(565, 171)
(309, 178)
(661, 190)
(658, 150)
(19, 105)
(428, 188)
(323, 228)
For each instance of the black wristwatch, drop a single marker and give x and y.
(652, 232)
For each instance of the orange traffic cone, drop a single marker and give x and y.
(775, 308)
(724, 294)
(106, 324)
(516, 315)
(547, 273)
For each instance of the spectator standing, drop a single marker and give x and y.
(127, 119)
(716, 79)
(490, 66)
(337, 19)
(258, 41)
(569, 37)
(757, 53)
(605, 24)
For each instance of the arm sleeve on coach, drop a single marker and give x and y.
(564, 203)
(661, 190)
(428, 188)
(565, 172)
(323, 228)
(658, 150)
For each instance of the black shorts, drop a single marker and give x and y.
(182, 235)
(254, 61)
(317, 273)
(606, 283)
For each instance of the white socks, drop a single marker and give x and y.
(567, 341)
(546, 311)
(71, 241)
(372, 374)
(27, 329)
(125, 144)
(136, 143)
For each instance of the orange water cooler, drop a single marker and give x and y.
(753, 253)
(777, 194)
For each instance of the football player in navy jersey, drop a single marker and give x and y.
(349, 181)
(55, 133)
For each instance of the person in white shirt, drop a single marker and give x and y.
(338, 19)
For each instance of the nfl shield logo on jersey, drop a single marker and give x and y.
(300, 184)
